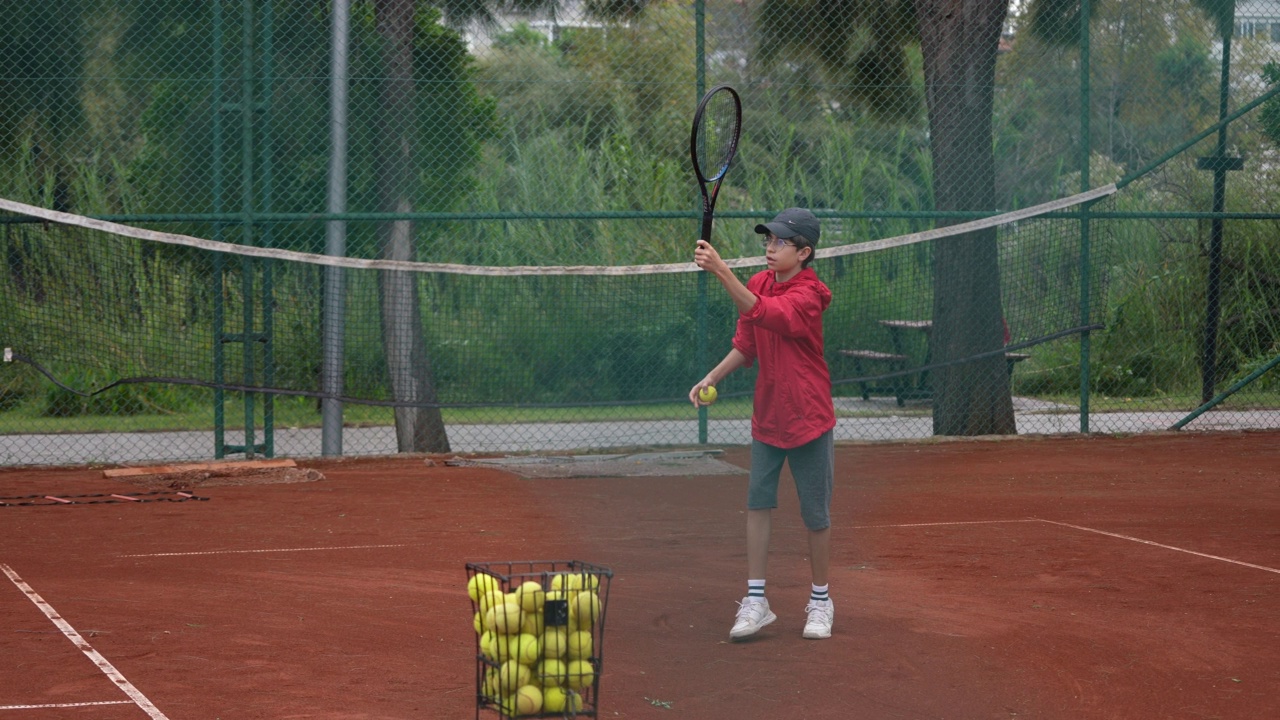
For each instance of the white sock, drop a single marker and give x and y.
(755, 588)
(819, 594)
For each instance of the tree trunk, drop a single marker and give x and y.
(959, 40)
(418, 429)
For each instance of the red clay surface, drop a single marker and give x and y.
(962, 588)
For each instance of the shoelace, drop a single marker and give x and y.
(823, 610)
(746, 608)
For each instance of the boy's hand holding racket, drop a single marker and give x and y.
(706, 257)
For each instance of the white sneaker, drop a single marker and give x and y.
(822, 615)
(753, 614)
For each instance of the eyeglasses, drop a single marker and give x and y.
(777, 242)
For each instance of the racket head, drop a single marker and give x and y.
(717, 125)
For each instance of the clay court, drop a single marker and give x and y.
(1073, 577)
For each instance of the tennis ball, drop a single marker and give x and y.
(491, 599)
(525, 648)
(532, 623)
(708, 395)
(486, 645)
(570, 583)
(478, 623)
(507, 707)
(585, 609)
(553, 672)
(530, 596)
(504, 619)
(512, 675)
(581, 674)
(555, 642)
(559, 700)
(491, 686)
(579, 647)
(529, 700)
(481, 583)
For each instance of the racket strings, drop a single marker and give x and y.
(717, 135)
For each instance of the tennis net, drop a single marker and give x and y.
(113, 321)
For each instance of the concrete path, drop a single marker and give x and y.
(884, 421)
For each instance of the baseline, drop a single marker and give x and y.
(94, 656)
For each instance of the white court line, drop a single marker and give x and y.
(103, 664)
(64, 705)
(939, 524)
(1166, 547)
(275, 550)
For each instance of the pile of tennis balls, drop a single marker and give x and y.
(531, 668)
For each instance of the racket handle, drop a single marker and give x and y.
(706, 227)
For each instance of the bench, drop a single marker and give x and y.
(862, 359)
(1013, 359)
(900, 389)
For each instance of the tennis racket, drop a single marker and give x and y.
(712, 145)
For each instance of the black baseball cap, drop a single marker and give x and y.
(792, 222)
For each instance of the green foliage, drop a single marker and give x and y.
(521, 35)
(1269, 115)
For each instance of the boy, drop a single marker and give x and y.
(780, 324)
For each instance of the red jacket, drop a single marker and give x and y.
(784, 331)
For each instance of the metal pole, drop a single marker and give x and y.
(219, 349)
(1086, 151)
(334, 320)
(266, 153)
(246, 204)
(1213, 290)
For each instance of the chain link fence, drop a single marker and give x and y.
(257, 227)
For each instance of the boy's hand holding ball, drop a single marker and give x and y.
(707, 395)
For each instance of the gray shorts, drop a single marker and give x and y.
(813, 467)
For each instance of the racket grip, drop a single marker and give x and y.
(706, 227)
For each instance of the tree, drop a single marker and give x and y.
(959, 40)
(419, 424)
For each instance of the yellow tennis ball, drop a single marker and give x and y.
(491, 599)
(559, 700)
(529, 700)
(555, 643)
(481, 583)
(478, 623)
(491, 685)
(571, 582)
(512, 675)
(552, 672)
(530, 595)
(708, 395)
(507, 707)
(486, 645)
(579, 646)
(585, 609)
(525, 648)
(581, 674)
(504, 619)
(532, 623)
